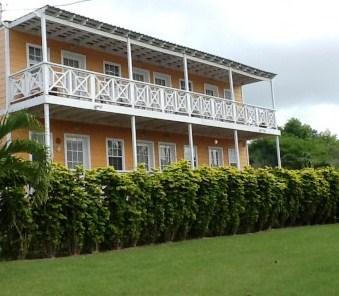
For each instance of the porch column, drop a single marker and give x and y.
(134, 142)
(187, 88)
(44, 50)
(47, 131)
(190, 138)
(277, 140)
(129, 59)
(236, 147)
(234, 107)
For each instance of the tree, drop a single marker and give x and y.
(300, 145)
(33, 173)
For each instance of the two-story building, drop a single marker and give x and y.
(113, 97)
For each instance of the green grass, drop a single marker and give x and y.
(295, 261)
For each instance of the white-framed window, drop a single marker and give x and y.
(187, 154)
(140, 75)
(77, 151)
(34, 54)
(167, 154)
(162, 79)
(73, 59)
(115, 154)
(228, 94)
(216, 157)
(232, 157)
(40, 138)
(183, 86)
(145, 154)
(211, 90)
(112, 69)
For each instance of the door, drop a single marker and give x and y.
(77, 82)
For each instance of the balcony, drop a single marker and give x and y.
(66, 83)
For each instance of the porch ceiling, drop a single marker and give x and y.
(77, 115)
(83, 38)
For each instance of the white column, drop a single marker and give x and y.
(44, 53)
(187, 88)
(236, 147)
(47, 130)
(129, 59)
(230, 78)
(134, 142)
(190, 138)
(277, 141)
(7, 73)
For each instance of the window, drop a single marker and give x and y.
(77, 151)
(232, 157)
(167, 154)
(162, 79)
(215, 156)
(183, 86)
(34, 55)
(115, 154)
(40, 138)
(145, 154)
(211, 90)
(228, 94)
(187, 154)
(112, 69)
(73, 59)
(140, 75)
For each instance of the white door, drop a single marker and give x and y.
(76, 81)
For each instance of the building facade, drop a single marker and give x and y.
(108, 96)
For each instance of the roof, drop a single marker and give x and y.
(146, 39)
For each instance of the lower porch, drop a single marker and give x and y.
(99, 139)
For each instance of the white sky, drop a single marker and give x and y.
(297, 39)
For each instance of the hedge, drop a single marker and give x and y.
(93, 210)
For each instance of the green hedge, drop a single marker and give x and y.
(102, 209)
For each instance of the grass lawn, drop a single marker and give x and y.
(295, 261)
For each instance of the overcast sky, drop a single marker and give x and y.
(297, 39)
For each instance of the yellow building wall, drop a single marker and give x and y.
(95, 62)
(98, 135)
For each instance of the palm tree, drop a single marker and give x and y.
(33, 173)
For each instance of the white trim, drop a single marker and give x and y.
(142, 71)
(82, 136)
(123, 152)
(112, 64)
(230, 150)
(222, 154)
(139, 43)
(75, 56)
(163, 76)
(211, 87)
(196, 153)
(115, 109)
(152, 166)
(51, 142)
(175, 151)
(28, 45)
(189, 82)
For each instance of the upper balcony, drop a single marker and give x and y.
(128, 96)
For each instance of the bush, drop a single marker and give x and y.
(91, 210)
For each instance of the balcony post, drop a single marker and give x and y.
(134, 142)
(277, 140)
(47, 131)
(187, 87)
(236, 145)
(130, 69)
(190, 138)
(230, 78)
(44, 54)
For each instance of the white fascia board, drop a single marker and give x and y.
(26, 104)
(75, 103)
(84, 28)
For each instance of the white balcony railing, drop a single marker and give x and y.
(67, 82)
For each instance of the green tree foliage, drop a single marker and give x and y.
(301, 147)
(91, 210)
